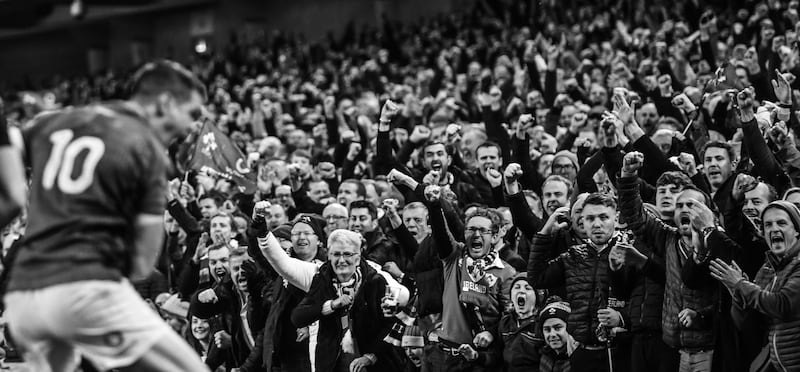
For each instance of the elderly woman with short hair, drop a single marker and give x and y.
(346, 296)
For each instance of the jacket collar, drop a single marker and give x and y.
(778, 263)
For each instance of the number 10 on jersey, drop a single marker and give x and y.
(61, 163)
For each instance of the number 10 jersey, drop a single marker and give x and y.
(93, 170)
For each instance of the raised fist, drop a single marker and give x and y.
(494, 177)
(742, 184)
(432, 178)
(208, 296)
(682, 102)
(389, 111)
(262, 209)
(746, 99)
(512, 173)
(420, 134)
(577, 122)
(665, 85)
(631, 163)
(355, 149)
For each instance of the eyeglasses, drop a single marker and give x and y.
(562, 167)
(302, 233)
(479, 230)
(345, 255)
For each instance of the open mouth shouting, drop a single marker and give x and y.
(436, 165)
(776, 238)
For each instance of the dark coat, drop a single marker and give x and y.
(228, 308)
(774, 296)
(367, 323)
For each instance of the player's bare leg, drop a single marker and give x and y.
(170, 353)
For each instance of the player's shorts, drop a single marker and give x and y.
(106, 322)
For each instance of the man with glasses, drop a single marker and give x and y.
(474, 281)
(336, 217)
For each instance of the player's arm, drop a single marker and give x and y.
(13, 190)
(149, 230)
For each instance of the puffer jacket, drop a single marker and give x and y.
(645, 290)
(550, 361)
(664, 241)
(585, 274)
(775, 294)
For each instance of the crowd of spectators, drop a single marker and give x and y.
(519, 186)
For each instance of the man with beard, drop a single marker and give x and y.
(474, 278)
(487, 177)
(565, 164)
(437, 161)
(518, 329)
(688, 313)
(239, 306)
(584, 270)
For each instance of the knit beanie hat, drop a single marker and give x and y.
(316, 223)
(413, 337)
(787, 207)
(572, 157)
(558, 310)
(541, 294)
(283, 231)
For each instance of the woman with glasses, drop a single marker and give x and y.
(345, 297)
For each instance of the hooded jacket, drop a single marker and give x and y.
(774, 296)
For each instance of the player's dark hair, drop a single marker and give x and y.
(373, 211)
(676, 178)
(166, 76)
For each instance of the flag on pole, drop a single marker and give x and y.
(215, 154)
